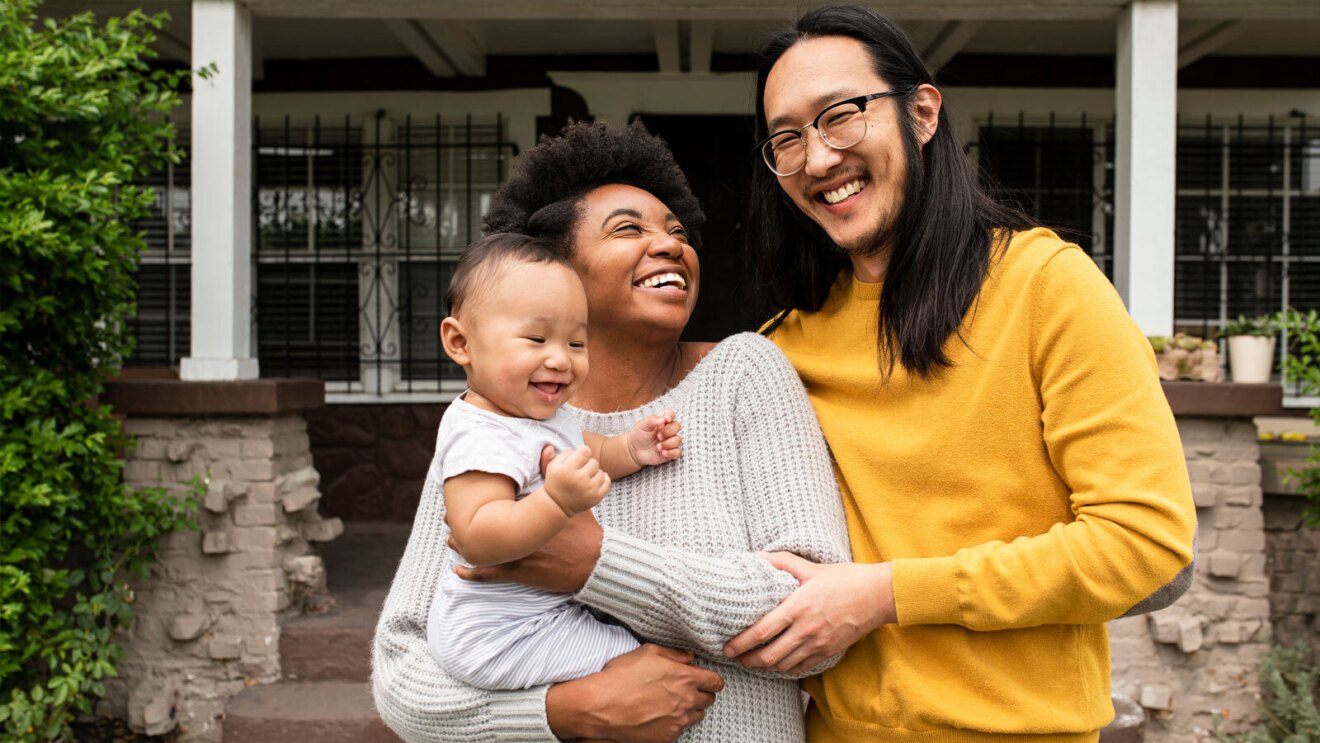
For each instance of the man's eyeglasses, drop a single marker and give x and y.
(841, 125)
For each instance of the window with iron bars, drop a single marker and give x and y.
(356, 228)
(1247, 235)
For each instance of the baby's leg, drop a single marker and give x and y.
(563, 644)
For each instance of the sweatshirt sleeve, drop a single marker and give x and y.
(413, 694)
(787, 486)
(1112, 439)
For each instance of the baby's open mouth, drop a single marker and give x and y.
(663, 280)
(550, 389)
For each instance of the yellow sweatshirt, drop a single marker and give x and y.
(1025, 496)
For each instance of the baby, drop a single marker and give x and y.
(518, 326)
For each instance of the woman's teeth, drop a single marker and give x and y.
(663, 279)
(843, 192)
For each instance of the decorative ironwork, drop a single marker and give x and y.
(357, 231)
(1247, 234)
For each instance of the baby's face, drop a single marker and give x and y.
(527, 341)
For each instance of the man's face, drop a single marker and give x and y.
(854, 194)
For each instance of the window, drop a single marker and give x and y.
(355, 231)
(1061, 174)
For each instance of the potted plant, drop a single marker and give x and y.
(1186, 357)
(1250, 347)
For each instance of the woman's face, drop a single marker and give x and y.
(635, 262)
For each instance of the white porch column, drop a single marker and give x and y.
(1144, 181)
(221, 194)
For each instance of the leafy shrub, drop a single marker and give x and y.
(1290, 681)
(1302, 366)
(81, 118)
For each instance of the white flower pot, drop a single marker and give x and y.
(1250, 357)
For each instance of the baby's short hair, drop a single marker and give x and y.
(480, 263)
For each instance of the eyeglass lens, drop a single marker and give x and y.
(840, 126)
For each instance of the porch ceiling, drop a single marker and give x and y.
(349, 29)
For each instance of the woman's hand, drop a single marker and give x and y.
(562, 565)
(650, 695)
(834, 606)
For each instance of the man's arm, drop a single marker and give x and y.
(1134, 527)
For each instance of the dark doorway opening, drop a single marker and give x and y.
(715, 152)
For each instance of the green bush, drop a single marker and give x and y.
(82, 117)
(1302, 365)
(1289, 681)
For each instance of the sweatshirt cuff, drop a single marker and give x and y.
(520, 716)
(626, 573)
(926, 591)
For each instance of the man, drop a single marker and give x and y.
(1011, 471)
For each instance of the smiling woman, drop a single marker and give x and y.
(673, 555)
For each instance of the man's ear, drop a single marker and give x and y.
(926, 103)
(455, 341)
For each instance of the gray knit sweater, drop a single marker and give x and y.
(676, 564)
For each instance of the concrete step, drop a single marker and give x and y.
(322, 711)
(336, 645)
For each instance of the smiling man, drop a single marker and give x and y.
(1010, 469)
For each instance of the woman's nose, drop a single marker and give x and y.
(665, 245)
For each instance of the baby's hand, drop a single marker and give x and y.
(655, 440)
(575, 481)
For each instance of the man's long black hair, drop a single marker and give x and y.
(944, 233)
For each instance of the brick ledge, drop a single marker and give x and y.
(1226, 399)
(173, 397)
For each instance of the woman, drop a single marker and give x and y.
(673, 554)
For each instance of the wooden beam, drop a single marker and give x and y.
(948, 42)
(701, 44)
(461, 42)
(1209, 41)
(419, 42)
(667, 46)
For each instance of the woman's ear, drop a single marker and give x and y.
(926, 103)
(455, 341)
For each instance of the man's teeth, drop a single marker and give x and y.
(843, 192)
(662, 279)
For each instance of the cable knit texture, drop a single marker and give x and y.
(676, 564)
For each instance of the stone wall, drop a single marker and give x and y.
(208, 619)
(373, 458)
(1294, 566)
(1198, 659)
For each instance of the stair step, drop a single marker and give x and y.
(336, 646)
(322, 711)
(325, 652)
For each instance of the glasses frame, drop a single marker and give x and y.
(860, 101)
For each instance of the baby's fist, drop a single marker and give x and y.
(655, 440)
(575, 481)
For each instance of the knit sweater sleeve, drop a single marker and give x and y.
(786, 483)
(1111, 438)
(413, 694)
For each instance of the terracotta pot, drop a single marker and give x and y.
(1250, 357)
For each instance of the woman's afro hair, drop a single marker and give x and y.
(541, 197)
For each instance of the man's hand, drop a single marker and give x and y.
(650, 695)
(562, 565)
(835, 606)
(655, 440)
(575, 481)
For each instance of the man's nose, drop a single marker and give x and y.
(820, 157)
